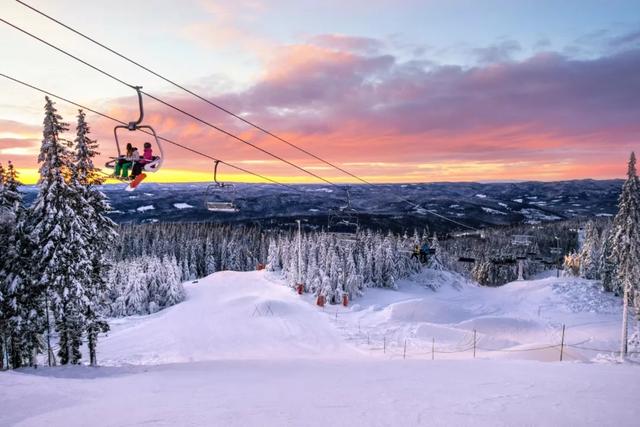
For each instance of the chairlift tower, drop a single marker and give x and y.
(522, 240)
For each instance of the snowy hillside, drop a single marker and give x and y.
(261, 318)
(244, 350)
(228, 315)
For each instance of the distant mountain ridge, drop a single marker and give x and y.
(473, 204)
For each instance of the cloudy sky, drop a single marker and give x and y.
(392, 90)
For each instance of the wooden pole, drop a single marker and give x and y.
(299, 250)
(562, 343)
(384, 344)
(474, 343)
(433, 348)
(625, 316)
(404, 354)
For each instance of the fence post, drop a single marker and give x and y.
(384, 344)
(404, 354)
(433, 348)
(474, 343)
(562, 343)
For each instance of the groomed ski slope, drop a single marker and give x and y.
(251, 315)
(244, 350)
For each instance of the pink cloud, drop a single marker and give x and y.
(343, 99)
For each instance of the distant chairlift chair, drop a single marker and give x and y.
(344, 219)
(220, 197)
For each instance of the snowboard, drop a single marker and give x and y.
(134, 184)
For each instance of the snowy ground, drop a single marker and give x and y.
(244, 350)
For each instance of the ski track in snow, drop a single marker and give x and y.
(244, 350)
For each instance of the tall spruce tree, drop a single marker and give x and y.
(16, 273)
(60, 257)
(626, 242)
(5, 231)
(590, 253)
(610, 282)
(99, 231)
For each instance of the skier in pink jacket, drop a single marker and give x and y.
(147, 157)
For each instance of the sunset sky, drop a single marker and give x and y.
(392, 90)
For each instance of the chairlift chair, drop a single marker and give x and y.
(480, 234)
(156, 163)
(220, 197)
(521, 240)
(556, 249)
(344, 217)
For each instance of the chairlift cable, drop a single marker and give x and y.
(184, 147)
(168, 104)
(415, 205)
(200, 97)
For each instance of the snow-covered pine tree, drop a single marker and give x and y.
(99, 231)
(589, 252)
(6, 230)
(435, 260)
(571, 264)
(16, 317)
(481, 272)
(610, 282)
(626, 242)
(173, 291)
(136, 291)
(59, 234)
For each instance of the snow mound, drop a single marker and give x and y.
(228, 315)
(145, 208)
(182, 206)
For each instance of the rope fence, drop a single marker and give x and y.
(470, 343)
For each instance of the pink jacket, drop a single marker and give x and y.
(148, 155)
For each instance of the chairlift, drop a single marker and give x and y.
(220, 197)
(470, 233)
(556, 249)
(344, 217)
(345, 237)
(521, 240)
(155, 164)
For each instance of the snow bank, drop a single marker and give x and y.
(145, 208)
(228, 315)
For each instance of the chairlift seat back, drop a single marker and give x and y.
(222, 207)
